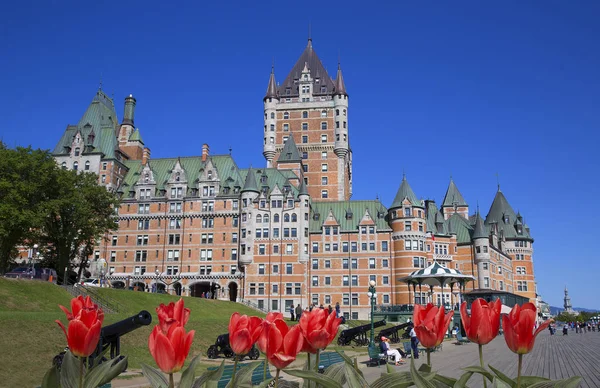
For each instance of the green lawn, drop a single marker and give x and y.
(30, 337)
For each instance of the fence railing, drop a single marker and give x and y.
(107, 305)
(254, 306)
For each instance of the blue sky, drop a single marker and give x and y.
(468, 89)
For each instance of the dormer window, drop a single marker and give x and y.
(209, 174)
(506, 219)
(306, 77)
(77, 151)
(407, 212)
(177, 177)
(288, 91)
(146, 178)
(263, 179)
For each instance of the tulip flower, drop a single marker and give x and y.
(283, 344)
(319, 328)
(431, 324)
(85, 322)
(518, 328)
(243, 332)
(170, 349)
(266, 324)
(172, 313)
(483, 324)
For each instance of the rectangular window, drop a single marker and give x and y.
(354, 263)
(323, 138)
(327, 263)
(315, 247)
(345, 263)
(355, 303)
(354, 280)
(297, 288)
(324, 167)
(327, 280)
(346, 299)
(324, 194)
(114, 241)
(385, 280)
(173, 255)
(354, 246)
(407, 226)
(384, 263)
(315, 281)
(288, 268)
(315, 264)
(141, 255)
(345, 280)
(371, 263)
(261, 269)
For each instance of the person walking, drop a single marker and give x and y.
(385, 348)
(298, 312)
(329, 309)
(292, 312)
(414, 341)
(337, 309)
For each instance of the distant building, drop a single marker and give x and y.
(567, 305)
(287, 233)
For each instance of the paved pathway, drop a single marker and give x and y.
(555, 357)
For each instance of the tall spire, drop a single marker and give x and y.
(250, 183)
(453, 196)
(340, 88)
(272, 87)
(479, 231)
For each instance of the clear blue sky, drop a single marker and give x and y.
(467, 89)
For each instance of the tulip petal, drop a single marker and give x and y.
(66, 311)
(235, 317)
(152, 340)
(240, 341)
(275, 339)
(318, 339)
(63, 328)
(509, 333)
(293, 341)
(466, 319)
(92, 338)
(255, 327)
(76, 337)
(164, 353)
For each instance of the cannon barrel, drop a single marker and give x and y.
(362, 328)
(118, 329)
(390, 330)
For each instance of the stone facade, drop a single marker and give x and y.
(287, 233)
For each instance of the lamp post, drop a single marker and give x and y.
(373, 297)
(31, 264)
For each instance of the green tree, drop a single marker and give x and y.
(25, 177)
(78, 215)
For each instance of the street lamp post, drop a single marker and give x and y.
(372, 294)
(31, 264)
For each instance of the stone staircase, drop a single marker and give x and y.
(254, 306)
(106, 304)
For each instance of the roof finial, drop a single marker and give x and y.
(498, 180)
(339, 60)
(273, 65)
(403, 175)
(477, 206)
(100, 85)
(309, 34)
(230, 150)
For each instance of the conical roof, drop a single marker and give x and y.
(272, 87)
(405, 192)
(317, 70)
(290, 153)
(302, 189)
(340, 88)
(453, 196)
(136, 136)
(250, 183)
(500, 208)
(480, 229)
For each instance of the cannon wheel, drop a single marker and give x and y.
(254, 354)
(212, 352)
(341, 340)
(227, 352)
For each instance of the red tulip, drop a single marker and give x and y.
(431, 324)
(518, 328)
(266, 324)
(283, 343)
(172, 313)
(319, 328)
(243, 332)
(85, 322)
(171, 348)
(483, 324)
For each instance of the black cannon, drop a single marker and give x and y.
(391, 333)
(358, 334)
(222, 346)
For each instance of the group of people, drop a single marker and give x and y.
(398, 354)
(579, 327)
(296, 312)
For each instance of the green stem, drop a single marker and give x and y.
(265, 368)
(481, 362)
(317, 363)
(82, 359)
(519, 372)
(235, 361)
(277, 379)
(309, 382)
(171, 381)
(429, 357)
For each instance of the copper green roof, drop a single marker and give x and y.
(136, 136)
(250, 182)
(480, 229)
(459, 226)
(290, 152)
(431, 214)
(320, 212)
(302, 190)
(266, 179)
(502, 213)
(453, 196)
(101, 118)
(405, 192)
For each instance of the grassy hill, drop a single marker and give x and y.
(30, 337)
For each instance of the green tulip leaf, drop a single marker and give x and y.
(499, 383)
(572, 382)
(98, 358)
(337, 372)
(187, 377)
(51, 378)
(354, 378)
(425, 368)
(512, 383)
(210, 378)
(393, 380)
(322, 380)
(389, 368)
(154, 377)
(267, 383)
(448, 381)
(527, 381)
(243, 376)
(462, 381)
(70, 370)
(418, 379)
(104, 373)
(480, 370)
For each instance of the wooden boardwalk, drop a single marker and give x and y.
(555, 357)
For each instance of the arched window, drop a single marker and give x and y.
(87, 165)
(323, 113)
(77, 151)
(337, 112)
(286, 115)
(294, 217)
(286, 218)
(266, 218)
(276, 218)
(75, 166)
(272, 115)
(305, 114)
(209, 174)
(258, 218)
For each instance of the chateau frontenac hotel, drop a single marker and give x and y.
(287, 232)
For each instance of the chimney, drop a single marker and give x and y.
(129, 110)
(145, 156)
(204, 152)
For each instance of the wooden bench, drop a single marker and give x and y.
(375, 356)
(257, 374)
(327, 359)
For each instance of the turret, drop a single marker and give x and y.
(303, 220)
(249, 193)
(129, 112)
(481, 244)
(340, 101)
(130, 138)
(454, 202)
(270, 102)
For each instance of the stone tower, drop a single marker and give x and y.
(568, 306)
(313, 109)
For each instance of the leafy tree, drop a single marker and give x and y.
(78, 215)
(25, 177)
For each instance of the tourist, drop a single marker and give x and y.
(565, 330)
(292, 312)
(298, 312)
(330, 309)
(337, 309)
(321, 306)
(386, 349)
(414, 341)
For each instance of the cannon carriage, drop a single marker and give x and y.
(358, 335)
(392, 333)
(222, 346)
